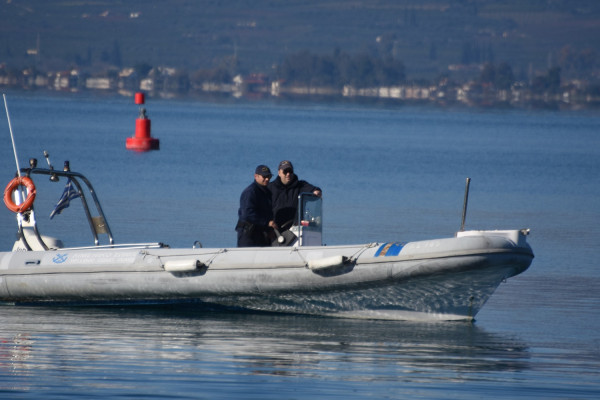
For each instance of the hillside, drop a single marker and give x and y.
(426, 35)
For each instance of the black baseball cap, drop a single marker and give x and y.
(286, 165)
(263, 170)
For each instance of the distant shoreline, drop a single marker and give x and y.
(517, 100)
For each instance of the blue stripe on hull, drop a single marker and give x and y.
(389, 249)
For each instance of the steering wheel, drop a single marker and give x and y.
(286, 225)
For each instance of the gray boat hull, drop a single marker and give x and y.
(441, 279)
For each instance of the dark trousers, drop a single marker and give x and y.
(255, 238)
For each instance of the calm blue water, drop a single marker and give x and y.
(387, 174)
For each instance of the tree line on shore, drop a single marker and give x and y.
(302, 69)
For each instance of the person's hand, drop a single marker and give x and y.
(273, 225)
(317, 193)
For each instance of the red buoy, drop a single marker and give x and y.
(142, 141)
(139, 98)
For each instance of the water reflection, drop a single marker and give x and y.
(166, 341)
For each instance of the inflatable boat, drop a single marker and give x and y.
(438, 279)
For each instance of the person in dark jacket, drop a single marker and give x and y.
(284, 191)
(255, 215)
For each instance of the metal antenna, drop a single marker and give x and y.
(19, 193)
(464, 213)
(11, 135)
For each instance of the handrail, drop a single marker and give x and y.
(122, 246)
(75, 177)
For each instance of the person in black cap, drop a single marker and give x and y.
(285, 190)
(255, 216)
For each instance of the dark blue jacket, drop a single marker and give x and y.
(255, 206)
(285, 198)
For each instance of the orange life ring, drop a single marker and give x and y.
(12, 186)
